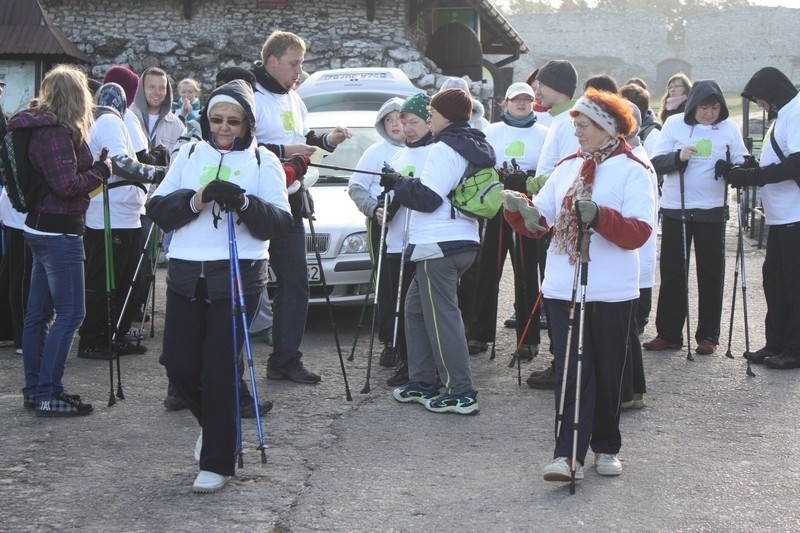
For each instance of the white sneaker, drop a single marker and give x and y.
(198, 447)
(559, 470)
(208, 482)
(607, 464)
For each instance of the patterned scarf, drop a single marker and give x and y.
(565, 232)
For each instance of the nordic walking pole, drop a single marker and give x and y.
(740, 244)
(583, 247)
(308, 213)
(239, 313)
(525, 331)
(360, 324)
(400, 281)
(570, 322)
(108, 256)
(689, 356)
(725, 218)
(378, 269)
(133, 279)
(498, 273)
(728, 353)
(345, 169)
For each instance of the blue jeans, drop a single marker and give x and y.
(287, 256)
(57, 287)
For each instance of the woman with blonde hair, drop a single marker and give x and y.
(674, 100)
(59, 153)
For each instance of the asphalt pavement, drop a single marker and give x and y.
(713, 450)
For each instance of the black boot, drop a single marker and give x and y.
(400, 377)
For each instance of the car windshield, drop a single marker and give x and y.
(352, 101)
(347, 154)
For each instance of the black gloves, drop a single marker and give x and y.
(516, 181)
(159, 155)
(721, 168)
(159, 174)
(744, 177)
(588, 212)
(389, 180)
(102, 168)
(228, 195)
(299, 165)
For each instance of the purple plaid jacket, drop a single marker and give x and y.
(68, 170)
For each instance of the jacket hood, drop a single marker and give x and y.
(242, 92)
(32, 118)
(478, 110)
(141, 102)
(391, 105)
(470, 144)
(701, 90)
(772, 86)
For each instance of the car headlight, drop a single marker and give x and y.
(355, 243)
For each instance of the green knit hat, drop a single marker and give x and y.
(418, 105)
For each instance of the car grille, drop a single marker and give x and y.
(323, 241)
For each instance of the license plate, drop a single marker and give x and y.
(313, 274)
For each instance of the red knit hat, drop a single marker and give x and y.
(453, 104)
(126, 78)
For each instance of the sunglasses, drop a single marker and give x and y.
(231, 121)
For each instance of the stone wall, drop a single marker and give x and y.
(224, 33)
(727, 46)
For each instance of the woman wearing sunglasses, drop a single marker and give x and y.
(224, 172)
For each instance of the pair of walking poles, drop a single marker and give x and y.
(375, 282)
(739, 266)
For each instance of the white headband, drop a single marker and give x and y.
(597, 114)
(222, 99)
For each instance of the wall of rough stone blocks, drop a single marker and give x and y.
(224, 33)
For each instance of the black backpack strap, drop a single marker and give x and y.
(775, 146)
(125, 183)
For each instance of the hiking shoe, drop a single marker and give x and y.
(248, 410)
(543, 379)
(18, 351)
(269, 336)
(475, 347)
(173, 401)
(208, 482)
(7, 344)
(63, 405)
(460, 404)
(660, 344)
(782, 361)
(527, 352)
(127, 348)
(29, 402)
(559, 470)
(298, 374)
(400, 377)
(607, 464)
(100, 353)
(415, 392)
(511, 322)
(757, 357)
(388, 357)
(705, 347)
(636, 403)
(134, 335)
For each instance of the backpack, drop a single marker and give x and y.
(478, 193)
(24, 185)
(644, 132)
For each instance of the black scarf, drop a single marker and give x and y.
(425, 141)
(265, 80)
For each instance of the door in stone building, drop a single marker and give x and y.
(665, 70)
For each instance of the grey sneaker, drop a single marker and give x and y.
(607, 464)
